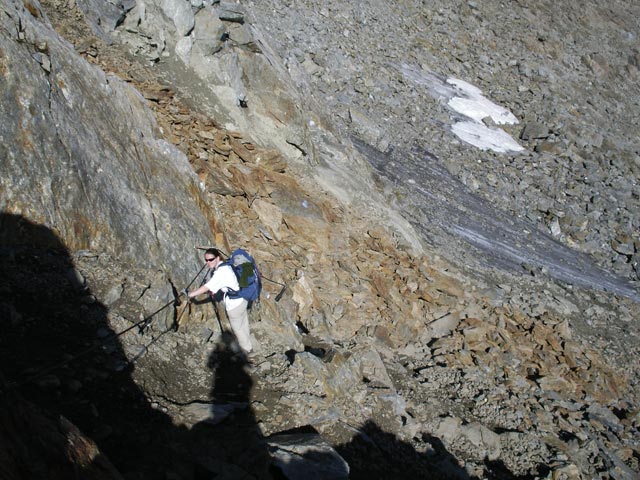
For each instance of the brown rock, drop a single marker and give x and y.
(271, 160)
(243, 152)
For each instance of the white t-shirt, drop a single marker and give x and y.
(224, 279)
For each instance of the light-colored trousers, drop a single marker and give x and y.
(239, 320)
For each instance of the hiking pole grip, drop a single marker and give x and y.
(279, 296)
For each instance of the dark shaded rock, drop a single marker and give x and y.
(301, 456)
(38, 445)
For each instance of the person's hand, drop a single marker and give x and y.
(185, 292)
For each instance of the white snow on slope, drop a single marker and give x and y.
(470, 102)
(474, 105)
(483, 137)
(467, 100)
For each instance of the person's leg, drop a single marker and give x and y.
(239, 320)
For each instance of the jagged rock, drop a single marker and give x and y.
(598, 65)
(337, 378)
(442, 326)
(208, 32)
(605, 417)
(104, 17)
(452, 431)
(373, 368)
(271, 160)
(624, 245)
(270, 216)
(367, 128)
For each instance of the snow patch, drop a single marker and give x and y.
(470, 102)
(474, 105)
(486, 138)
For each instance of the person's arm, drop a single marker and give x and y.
(199, 291)
(221, 279)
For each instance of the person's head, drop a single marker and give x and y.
(212, 257)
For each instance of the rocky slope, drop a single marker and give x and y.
(569, 74)
(383, 359)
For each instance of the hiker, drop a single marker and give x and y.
(222, 280)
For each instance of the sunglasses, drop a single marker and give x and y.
(209, 259)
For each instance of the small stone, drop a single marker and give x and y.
(43, 60)
(534, 130)
(230, 12)
(623, 244)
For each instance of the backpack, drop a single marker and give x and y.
(247, 273)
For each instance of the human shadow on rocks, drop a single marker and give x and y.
(55, 365)
(376, 454)
(229, 443)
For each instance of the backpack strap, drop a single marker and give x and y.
(231, 292)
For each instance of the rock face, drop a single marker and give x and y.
(382, 358)
(230, 57)
(88, 159)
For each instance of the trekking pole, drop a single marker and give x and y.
(149, 319)
(184, 292)
(93, 347)
(284, 287)
(194, 278)
(177, 321)
(215, 309)
(278, 296)
(141, 325)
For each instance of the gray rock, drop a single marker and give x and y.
(212, 413)
(604, 416)
(442, 326)
(125, 218)
(112, 295)
(206, 334)
(534, 130)
(231, 12)
(135, 351)
(624, 245)
(77, 280)
(43, 60)
(366, 128)
(301, 456)
(486, 443)
(104, 17)
(208, 32)
(181, 14)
